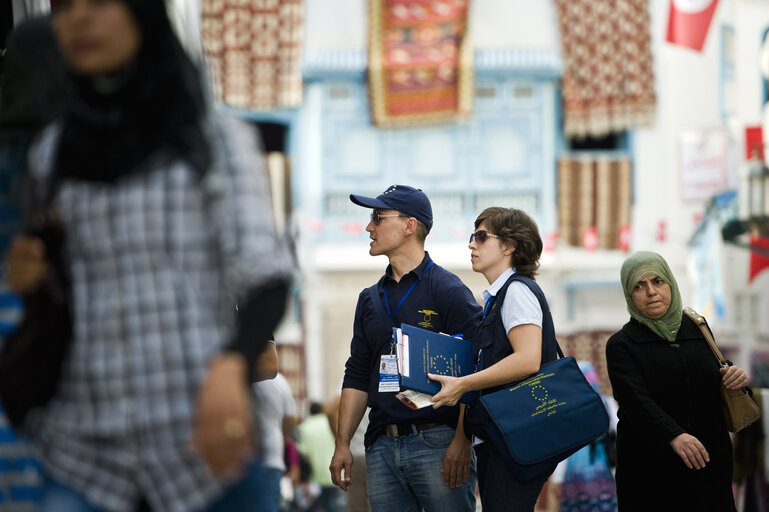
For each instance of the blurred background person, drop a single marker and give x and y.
(34, 90)
(167, 225)
(316, 440)
(357, 496)
(673, 449)
(276, 420)
(584, 481)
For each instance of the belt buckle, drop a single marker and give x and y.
(392, 430)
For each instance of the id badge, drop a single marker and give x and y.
(389, 380)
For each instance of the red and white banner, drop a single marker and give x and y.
(688, 22)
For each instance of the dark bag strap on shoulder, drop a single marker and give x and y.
(373, 293)
(543, 305)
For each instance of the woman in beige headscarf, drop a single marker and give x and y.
(673, 449)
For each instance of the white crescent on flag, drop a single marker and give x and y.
(692, 6)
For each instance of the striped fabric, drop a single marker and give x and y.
(608, 79)
(253, 51)
(594, 192)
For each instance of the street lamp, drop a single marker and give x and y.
(757, 221)
(758, 194)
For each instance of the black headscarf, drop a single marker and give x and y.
(156, 109)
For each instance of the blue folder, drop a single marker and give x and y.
(432, 352)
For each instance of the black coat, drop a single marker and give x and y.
(665, 389)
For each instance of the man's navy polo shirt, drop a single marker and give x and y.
(439, 302)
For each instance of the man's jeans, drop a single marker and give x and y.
(404, 474)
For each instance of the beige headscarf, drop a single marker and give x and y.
(635, 268)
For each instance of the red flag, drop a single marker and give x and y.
(758, 261)
(688, 22)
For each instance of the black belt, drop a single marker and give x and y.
(406, 429)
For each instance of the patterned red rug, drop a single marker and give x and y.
(253, 51)
(420, 62)
(608, 83)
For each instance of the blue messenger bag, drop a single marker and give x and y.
(539, 421)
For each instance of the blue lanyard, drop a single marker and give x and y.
(486, 306)
(397, 308)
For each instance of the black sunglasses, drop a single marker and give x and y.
(481, 236)
(377, 217)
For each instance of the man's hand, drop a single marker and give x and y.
(456, 461)
(691, 451)
(25, 264)
(223, 427)
(341, 461)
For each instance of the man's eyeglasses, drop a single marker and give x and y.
(481, 236)
(377, 217)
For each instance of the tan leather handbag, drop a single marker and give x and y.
(738, 406)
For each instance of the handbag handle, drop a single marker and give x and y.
(703, 325)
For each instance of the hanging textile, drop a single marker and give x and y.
(594, 192)
(608, 82)
(420, 61)
(253, 49)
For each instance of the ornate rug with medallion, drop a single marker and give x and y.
(420, 61)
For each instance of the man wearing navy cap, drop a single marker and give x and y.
(414, 459)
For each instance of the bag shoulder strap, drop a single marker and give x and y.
(543, 305)
(703, 325)
(373, 293)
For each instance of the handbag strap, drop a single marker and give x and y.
(703, 325)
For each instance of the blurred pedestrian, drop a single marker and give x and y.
(585, 480)
(316, 441)
(167, 225)
(357, 495)
(34, 90)
(673, 448)
(277, 419)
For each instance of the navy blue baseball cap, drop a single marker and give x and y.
(408, 200)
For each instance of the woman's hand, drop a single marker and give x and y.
(223, 427)
(452, 389)
(25, 264)
(734, 377)
(691, 451)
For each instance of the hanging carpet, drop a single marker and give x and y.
(420, 61)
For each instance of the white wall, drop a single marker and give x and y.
(687, 87)
(343, 24)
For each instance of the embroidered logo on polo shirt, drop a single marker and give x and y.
(426, 323)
